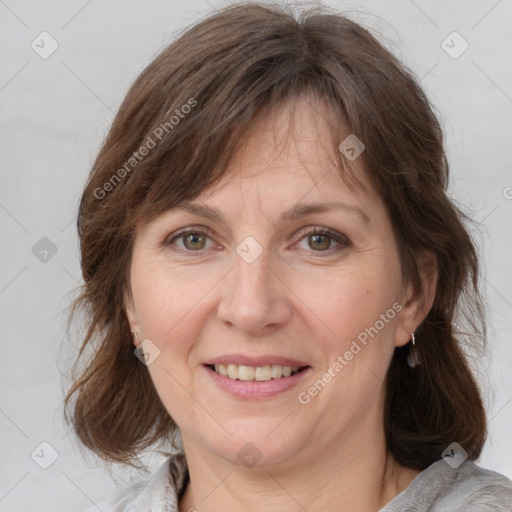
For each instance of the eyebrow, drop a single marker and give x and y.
(298, 211)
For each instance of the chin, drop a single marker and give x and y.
(254, 447)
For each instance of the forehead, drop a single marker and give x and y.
(288, 154)
(284, 167)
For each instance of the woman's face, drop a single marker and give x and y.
(262, 283)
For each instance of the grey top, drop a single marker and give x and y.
(468, 488)
(439, 488)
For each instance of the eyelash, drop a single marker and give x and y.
(342, 241)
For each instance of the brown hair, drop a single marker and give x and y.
(228, 69)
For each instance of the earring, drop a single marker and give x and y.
(413, 359)
(135, 335)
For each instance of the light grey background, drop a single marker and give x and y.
(54, 114)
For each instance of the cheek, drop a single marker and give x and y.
(353, 299)
(360, 310)
(165, 299)
(169, 308)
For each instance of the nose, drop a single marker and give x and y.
(254, 298)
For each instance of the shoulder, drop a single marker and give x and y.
(441, 488)
(159, 493)
(475, 488)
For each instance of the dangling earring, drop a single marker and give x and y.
(413, 359)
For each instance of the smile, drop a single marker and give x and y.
(255, 373)
(255, 382)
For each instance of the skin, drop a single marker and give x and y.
(199, 299)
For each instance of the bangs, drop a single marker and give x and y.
(186, 158)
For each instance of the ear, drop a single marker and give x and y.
(417, 302)
(129, 308)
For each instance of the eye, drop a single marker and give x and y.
(321, 239)
(192, 239)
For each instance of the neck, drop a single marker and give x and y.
(337, 478)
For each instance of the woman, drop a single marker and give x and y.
(272, 276)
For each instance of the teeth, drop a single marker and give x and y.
(263, 373)
(259, 373)
(232, 371)
(246, 372)
(276, 371)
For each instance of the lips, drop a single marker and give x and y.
(255, 377)
(257, 361)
